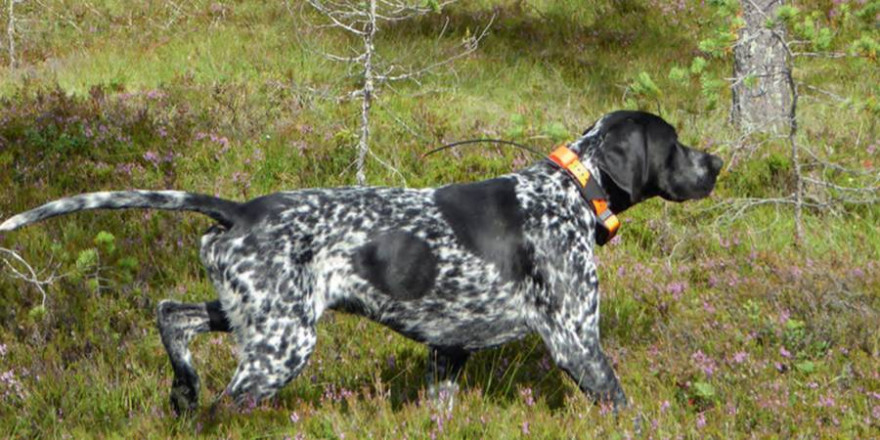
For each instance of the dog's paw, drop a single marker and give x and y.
(184, 397)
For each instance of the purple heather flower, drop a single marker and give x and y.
(704, 363)
(709, 308)
(701, 420)
(152, 157)
(827, 401)
(526, 394)
(676, 288)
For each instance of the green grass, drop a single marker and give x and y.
(718, 325)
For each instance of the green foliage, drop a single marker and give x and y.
(868, 12)
(556, 131)
(105, 241)
(223, 90)
(704, 390)
(518, 127)
(711, 89)
(679, 75)
(37, 313)
(698, 65)
(806, 367)
(866, 46)
(434, 5)
(768, 176)
(86, 260)
(786, 14)
(644, 91)
(725, 7)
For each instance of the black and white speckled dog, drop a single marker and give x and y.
(460, 268)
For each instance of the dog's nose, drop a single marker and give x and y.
(716, 163)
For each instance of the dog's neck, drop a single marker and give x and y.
(561, 188)
(556, 191)
(588, 148)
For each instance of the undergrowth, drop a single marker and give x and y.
(718, 326)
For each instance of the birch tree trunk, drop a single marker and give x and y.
(761, 92)
(366, 96)
(10, 33)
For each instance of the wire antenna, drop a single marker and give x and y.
(476, 141)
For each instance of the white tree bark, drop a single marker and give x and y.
(761, 93)
(10, 33)
(366, 96)
(361, 19)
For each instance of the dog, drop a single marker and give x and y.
(461, 268)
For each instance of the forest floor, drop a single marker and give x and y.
(719, 325)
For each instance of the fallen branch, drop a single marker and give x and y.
(31, 276)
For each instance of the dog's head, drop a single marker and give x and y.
(639, 157)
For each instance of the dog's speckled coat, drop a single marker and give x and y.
(460, 268)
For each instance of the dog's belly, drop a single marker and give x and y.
(456, 313)
(470, 332)
(440, 322)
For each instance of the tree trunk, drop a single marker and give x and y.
(10, 33)
(761, 92)
(367, 97)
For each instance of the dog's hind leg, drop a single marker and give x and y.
(272, 356)
(178, 324)
(444, 366)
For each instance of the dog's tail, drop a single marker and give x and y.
(223, 211)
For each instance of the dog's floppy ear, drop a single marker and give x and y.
(622, 159)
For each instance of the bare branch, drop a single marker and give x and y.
(824, 55)
(31, 277)
(831, 95)
(354, 59)
(471, 45)
(331, 14)
(389, 167)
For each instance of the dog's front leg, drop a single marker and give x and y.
(444, 366)
(567, 319)
(579, 354)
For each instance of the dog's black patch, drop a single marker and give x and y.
(258, 209)
(487, 220)
(399, 264)
(217, 319)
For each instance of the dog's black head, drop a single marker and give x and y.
(640, 157)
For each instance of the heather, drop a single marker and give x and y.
(719, 324)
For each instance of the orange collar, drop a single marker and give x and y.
(590, 190)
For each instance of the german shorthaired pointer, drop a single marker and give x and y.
(461, 268)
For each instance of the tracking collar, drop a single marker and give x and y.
(591, 191)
